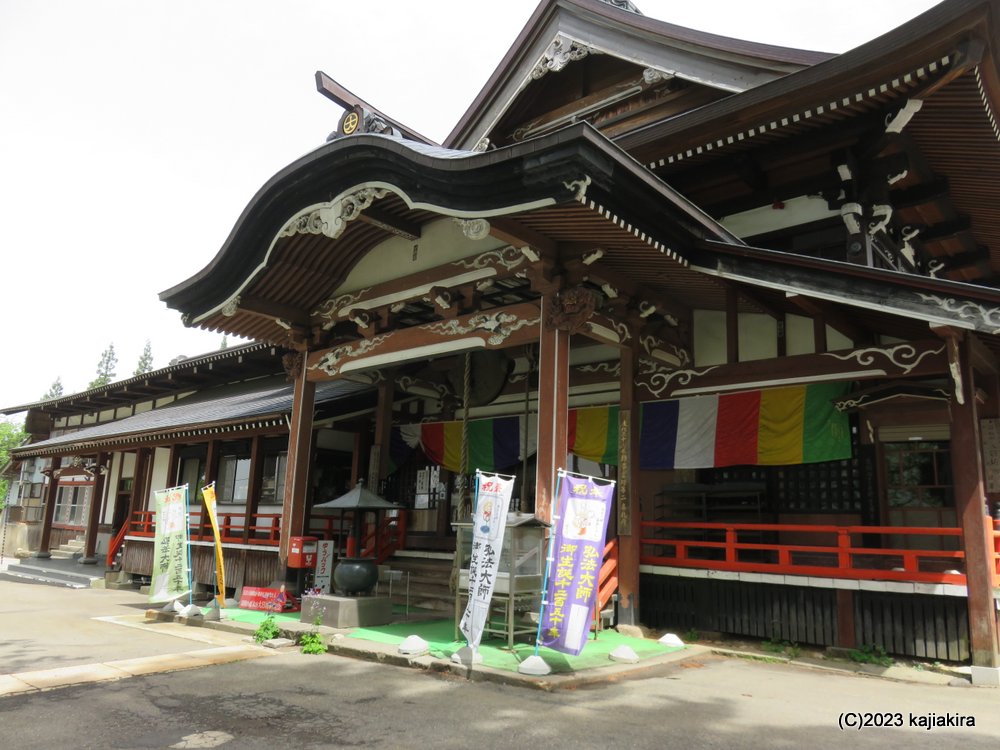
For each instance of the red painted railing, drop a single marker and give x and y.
(607, 580)
(265, 528)
(996, 554)
(390, 537)
(838, 553)
(329, 527)
(114, 545)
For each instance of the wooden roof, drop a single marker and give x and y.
(787, 138)
(604, 36)
(191, 373)
(903, 124)
(268, 278)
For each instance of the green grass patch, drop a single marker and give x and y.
(440, 635)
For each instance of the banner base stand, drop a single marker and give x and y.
(414, 645)
(534, 665)
(625, 655)
(191, 610)
(467, 657)
(214, 613)
(671, 639)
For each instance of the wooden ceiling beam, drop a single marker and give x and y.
(274, 310)
(910, 359)
(919, 195)
(582, 269)
(517, 234)
(408, 230)
(831, 317)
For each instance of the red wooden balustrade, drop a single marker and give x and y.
(607, 580)
(115, 544)
(752, 547)
(710, 546)
(265, 530)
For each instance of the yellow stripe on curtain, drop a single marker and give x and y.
(779, 437)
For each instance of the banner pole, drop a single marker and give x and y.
(472, 613)
(548, 561)
(187, 518)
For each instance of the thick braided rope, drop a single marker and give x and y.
(466, 391)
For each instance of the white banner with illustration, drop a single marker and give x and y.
(493, 492)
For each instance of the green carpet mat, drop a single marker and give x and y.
(254, 617)
(440, 635)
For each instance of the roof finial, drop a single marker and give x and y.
(624, 5)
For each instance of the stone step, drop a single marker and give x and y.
(65, 554)
(39, 570)
(423, 584)
(45, 579)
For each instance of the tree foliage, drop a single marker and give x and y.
(145, 363)
(224, 344)
(105, 368)
(55, 390)
(11, 436)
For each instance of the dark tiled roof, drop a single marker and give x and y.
(262, 402)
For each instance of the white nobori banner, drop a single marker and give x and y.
(488, 525)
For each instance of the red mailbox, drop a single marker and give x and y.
(302, 552)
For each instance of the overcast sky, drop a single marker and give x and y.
(134, 132)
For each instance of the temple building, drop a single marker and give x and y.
(756, 285)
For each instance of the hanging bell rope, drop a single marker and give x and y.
(529, 356)
(465, 507)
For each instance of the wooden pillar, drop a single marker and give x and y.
(553, 409)
(629, 509)
(846, 627)
(255, 484)
(94, 511)
(378, 463)
(51, 493)
(361, 447)
(970, 505)
(732, 326)
(212, 456)
(293, 509)
(139, 484)
(819, 334)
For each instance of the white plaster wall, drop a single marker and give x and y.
(799, 338)
(111, 484)
(835, 341)
(709, 337)
(758, 337)
(161, 467)
(440, 241)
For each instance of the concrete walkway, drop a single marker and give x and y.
(52, 639)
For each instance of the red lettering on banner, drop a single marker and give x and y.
(267, 600)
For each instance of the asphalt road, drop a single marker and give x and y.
(297, 701)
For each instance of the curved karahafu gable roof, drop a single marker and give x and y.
(596, 27)
(311, 201)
